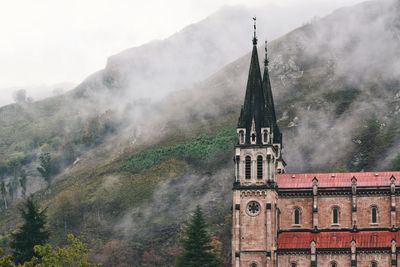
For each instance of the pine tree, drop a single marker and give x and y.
(31, 233)
(196, 243)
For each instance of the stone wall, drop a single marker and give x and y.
(362, 215)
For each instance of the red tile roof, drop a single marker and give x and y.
(364, 239)
(304, 180)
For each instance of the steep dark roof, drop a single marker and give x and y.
(258, 108)
(269, 100)
(253, 110)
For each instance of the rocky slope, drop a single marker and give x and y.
(144, 165)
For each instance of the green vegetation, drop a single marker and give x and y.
(396, 163)
(45, 167)
(196, 244)
(342, 98)
(202, 149)
(31, 233)
(373, 139)
(71, 255)
(74, 254)
(129, 205)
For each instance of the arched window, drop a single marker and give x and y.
(333, 264)
(241, 137)
(259, 167)
(253, 137)
(374, 214)
(374, 264)
(296, 216)
(253, 265)
(293, 264)
(335, 216)
(265, 136)
(247, 168)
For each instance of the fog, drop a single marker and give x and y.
(336, 87)
(178, 86)
(50, 43)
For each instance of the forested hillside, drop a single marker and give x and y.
(124, 172)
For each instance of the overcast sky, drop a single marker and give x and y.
(44, 42)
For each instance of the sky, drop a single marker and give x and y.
(46, 44)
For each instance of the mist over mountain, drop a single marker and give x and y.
(132, 153)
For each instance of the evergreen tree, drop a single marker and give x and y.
(45, 167)
(31, 233)
(3, 191)
(196, 243)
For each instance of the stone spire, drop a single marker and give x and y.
(269, 100)
(258, 108)
(254, 106)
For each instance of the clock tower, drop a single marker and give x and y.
(257, 159)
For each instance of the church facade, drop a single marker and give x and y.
(304, 219)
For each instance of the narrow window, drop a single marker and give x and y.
(253, 137)
(265, 136)
(248, 167)
(241, 137)
(296, 216)
(278, 216)
(335, 216)
(333, 264)
(374, 215)
(259, 167)
(293, 264)
(374, 264)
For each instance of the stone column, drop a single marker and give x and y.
(237, 168)
(254, 168)
(236, 229)
(268, 222)
(393, 201)
(353, 254)
(313, 254)
(269, 168)
(315, 203)
(354, 202)
(393, 250)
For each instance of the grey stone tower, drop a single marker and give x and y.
(258, 159)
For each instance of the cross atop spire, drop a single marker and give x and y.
(255, 31)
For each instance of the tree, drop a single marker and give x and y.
(6, 261)
(3, 191)
(45, 167)
(74, 254)
(31, 233)
(22, 182)
(196, 243)
(10, 190)
(19, 96)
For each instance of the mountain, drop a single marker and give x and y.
(127, 171)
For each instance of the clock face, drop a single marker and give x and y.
(253, 208)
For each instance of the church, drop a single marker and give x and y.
(304, 219)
